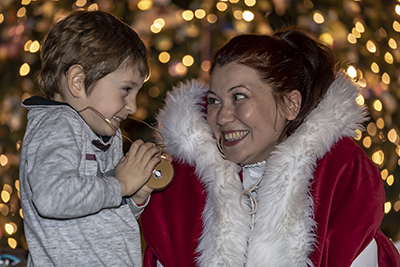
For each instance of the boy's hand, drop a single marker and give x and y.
(141, 195)
(134, 169)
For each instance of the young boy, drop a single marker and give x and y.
(80, 196)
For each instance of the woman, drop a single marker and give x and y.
(285, 185)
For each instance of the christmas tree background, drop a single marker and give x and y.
(182, 36)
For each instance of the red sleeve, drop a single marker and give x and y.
(172, 222)
(348, 204)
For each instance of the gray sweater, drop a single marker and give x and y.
(73, 211)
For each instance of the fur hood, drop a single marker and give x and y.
(283, 232)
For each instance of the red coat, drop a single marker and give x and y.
(348, 211)
(320, 199)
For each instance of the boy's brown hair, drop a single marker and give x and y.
(96, 40)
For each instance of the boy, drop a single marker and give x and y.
(80, 197)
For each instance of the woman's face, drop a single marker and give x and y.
(243, 114)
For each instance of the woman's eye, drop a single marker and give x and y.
(211, 100)
(239, 96)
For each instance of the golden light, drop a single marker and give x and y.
(1, 18)
(221, 6)
(397, 9)
(248, 15)
(359, 134)
(145, 4)
(188, 60)
(187, 15)
(326, 38)
(3, 160)
(388, 58)
(200, 13)
(360, 100)
(12, 243)
(378, 157)
(212, 18)
(155, 29)
(318, 17)
(397, 150)
(392, 43)
(35, 46)
(24, 70)
(360, 27)
(396, 206)
(180, 69)
(154, 92)
(367, 142)
(234, 1)
(4, 209)
(5, 196)
(384, 174)
(80, 3)
(93, 7)
(396, 26)
(9, 228)
(25, 2)
(164, 57)
(159, 23)
(377, 105)
(21, 12)
(351, 38)
(380, 123)
(385, 78)
(375, 67)
(27, 45)
(8, 188)
(371, 129)
(165, 45)
(250, 3)
(17, 184)
(371, 47)
(392, 135)
(238, 14)
(351, 72)
(362, 82)
(205, 65)
(388, 207)
(356, 33)
(390, 180)
(21, 213)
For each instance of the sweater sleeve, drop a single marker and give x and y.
(60, 188)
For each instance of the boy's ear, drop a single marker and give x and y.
(293, 104)
(76, 80)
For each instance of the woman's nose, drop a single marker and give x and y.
(225, 115)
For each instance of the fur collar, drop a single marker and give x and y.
(283, 233)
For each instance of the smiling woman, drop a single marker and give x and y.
(272, 176)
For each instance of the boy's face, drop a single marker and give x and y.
(114, 96)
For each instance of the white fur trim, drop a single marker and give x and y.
(284, 226)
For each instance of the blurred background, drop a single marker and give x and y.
(182, 35)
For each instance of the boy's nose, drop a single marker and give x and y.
(131, 106)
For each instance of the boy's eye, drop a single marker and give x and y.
(127, 89)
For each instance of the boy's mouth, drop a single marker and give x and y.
(118, 119)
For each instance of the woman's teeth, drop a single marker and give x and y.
(235, 135)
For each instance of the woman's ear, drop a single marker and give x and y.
(76, 80)
(293, 104)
